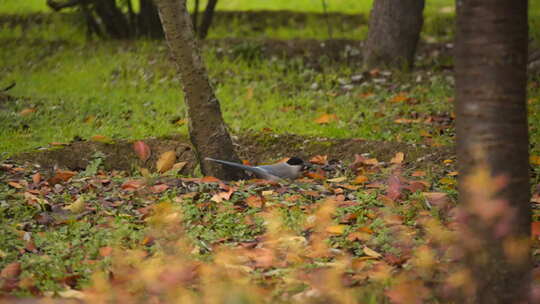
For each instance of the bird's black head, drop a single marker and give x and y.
(295, 161)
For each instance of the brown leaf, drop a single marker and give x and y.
(179, 166)
(436, 198)
(132, 185)
(393, 191)
(223, 196)
(326, 118)
(399, 98)
(61, 176)
(535, 229)
(315, 175)
(166, 161)
(142, 150)
(418, 173)
(11, 271)
(370, 252)
(408, 293)
(398, 158)
(210, 179)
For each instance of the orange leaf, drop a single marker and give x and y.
(535, 229)
(399, 98)
(36, 178)
(398, 158)
(326, 118)
(535, 160)
(142, 150)
(223, 196)
(370, 252)
(319, 160)
(102, 139)
(166, 161)
(418, 173)
(105, 251)
(27, 111)
(210, 179)
(360, 179)
(255, 201)
(314, 175)
(179, 166)
(15, 185)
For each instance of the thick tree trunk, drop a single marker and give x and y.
(393, 33)
(491, 58)
(207, 18)
(113, 19)
(207, 130)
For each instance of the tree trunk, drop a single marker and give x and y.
(113, 19)
(491, 58)
(207, 18)
(149, 24)
(393, 33)
(207, 130)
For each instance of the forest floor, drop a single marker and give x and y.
(82, 214)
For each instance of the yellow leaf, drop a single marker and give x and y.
(336, 229)
(370, 252)
(447, 161)
(77, 206)
(337, 179)
(179, 166)
(398, 158)
(145, 172)
(453, 173)
(535, 160)
(166, 161)
(249, 93)
(326, 118)
(71, 294)
(447, 181)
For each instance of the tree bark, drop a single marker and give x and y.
(207, 130)
(207, 18)
(393, 33)
(490, 63)
(149, 24)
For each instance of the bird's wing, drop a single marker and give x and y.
(278, 170)
(258, 171)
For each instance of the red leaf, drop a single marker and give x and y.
(159, 188)
(132, 185)
(535, 229)
(394, 187)
(142, 150)
(61, 176)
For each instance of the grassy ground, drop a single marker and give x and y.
(58, 238)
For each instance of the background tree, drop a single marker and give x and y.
(393, 33)
(491, 58)
(207, 130)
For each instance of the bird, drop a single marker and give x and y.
(291, 169)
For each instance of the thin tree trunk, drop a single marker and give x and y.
(491, 58)
(207, 18)
(207, 130)
(196, 16)
(149, 24)
(393, 33)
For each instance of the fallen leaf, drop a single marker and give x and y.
(436, 198)
(61, 176)
(36, 178)
(77, 206)
(15, 185)
(210, 179)
(399, 98)
(319, 160)
(255, 201)
(326, 118)
(337, 179)
(71, 294)
(394, 188)
(249, 93)
(223, 196)
(408, 293)
(535, 160)
(179, 166)
(398, 158)
(453, 173)
(360, 179)
(419, 173)
(102, 139)
(166, 161)
(370, 252)
(11, 271)
(145, 172)
(132, 185)
(159, 188)
(142, 150)
(315, 175)
(27, 111)
(105, 251)
(336, 229)
(535, 229)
